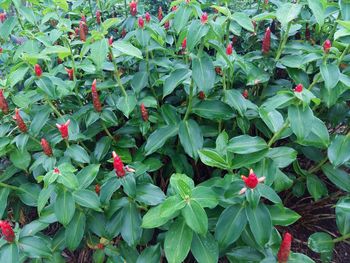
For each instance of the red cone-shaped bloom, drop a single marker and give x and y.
(148, 17)
(184, 44)
(3, 103)
(95, 98)
(251, 181)
(141, 22)
(20, 123)
(133, 8)
(284, 251)
(266, 41)
(70, 73)
(38, 70)
(204, 18)
(7, 231)
(144, 112)
(299, 88)
(327, 45)
(160, 13)
(82, 31)
(98, 17)
(46, 147)
(63, 128)
(229, 49)
(118, 165)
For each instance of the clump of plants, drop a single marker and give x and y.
(174, 135)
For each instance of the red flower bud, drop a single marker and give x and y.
(254, 24)
(144, 112)
(98, 17)
(56, 171)
(299, 88)
(2, 17)
(38, 70)
(327, 46)
(133, 8)
(63, 128)
(167, 25)
(174, 8)
(59, 61)
(266, 2)
(95, 97)
(245, 94)
(123, 33)
(251, 181)
(97, 189)
(100, 246)
(20, 123)
(218, 70)
(184, 44)
(204, 18)
(307, 32)
(284, 251)
(110, 41)
(148, 17)
(266, 41)
(201, 95)
(229, 49)
(118, 165)
(160, 13)
(83, 18)
(3, 103)
(46, 147)
(1, 50)
(82, 31)
(70, 73)
(141, 22)
(7, 231)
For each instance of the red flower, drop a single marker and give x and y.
(56, 171)
(144, 112)
(95, 98)
(229, 49)
(148, 17)
(46, 147)
(100, 246)
(174, 8)
(1, 50)
(327, 46)
(245, 94)
(3, 103)
(184, 44)
(204, 18)
(167, 25)
(123, 33)
(141, 22)
(266, 2)
(20, 123)
(7, 231)
(284, 251)
(251, 181)
(299, 88)
(110, 41)
(118, 165)
(83, 18)
(63, 128)
(160, 13)
(133, 8)
(2, 17)
(218, 70)
(201, 95)
(266, 41)
(98, 17)
(82, 30)
(97, 189)
(70, 73)
(38, 70)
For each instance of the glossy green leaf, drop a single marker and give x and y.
(316, 187)
(338, 177)
(75, 230)
(245, 144)
(300, 118)
(205, 196)
(318, 11)
(260, 223)
(87, 175)
(342, 212)
(203, 73)
(243, 20)
(149, 194)
(195, 217)
(131, 229)
(205, 248)
(282, 216)
(338, 151)
(78, 154)
(175, 79)
(320, 242)
(64, 206)
(212, 158)
(87, 198)
(272, 118)
(125, 48)
(330, 74)
(158, 138)
(196, 31)
(150, 254)
(191, 137)
(213, 110)
(287, 12)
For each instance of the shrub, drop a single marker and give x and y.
(171, 134)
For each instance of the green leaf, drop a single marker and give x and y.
(152, 218)
(282, 216)
(175, 78)
(61, 51)
(158, 138)
(20, 159)
(245, 160)
(212, 158)
(4, 193)
(318, 137)
(203, 73)
(342, 212)
(297, 257)
(269, 193)
(191, 137)
(243, 20)
(316, 187)
(345, 9)
(34, 247)
(181, 17)
(330, 74)
(64, 206)
(125, 48)
(337, 177)
(75, 230)
(62, 4)
(44, 197)
(196, 31)
(178, 241)
(213, 110)
(300, 118)
(338, 151)
(46, 86)
(245, 144)
(260, 223)
(182, 184)
(205, 196)
(150, 254)
(87, 175)
(29, 194)
(99, 51)
(87, 198)
(195, 217)
(318, 11)
(7, 27)
(102, 148)
(9, 253)
(282, 156)
(320, 242)
(171, 205)
(230, 225)
(40, 119)
(149, 194)
(272, 118)
(127, 104)
(131, 229)
(78, 154)
(205, 248)
(139, 81)
(287, 12)
(236, 100)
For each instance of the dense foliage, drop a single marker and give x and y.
(173, 134)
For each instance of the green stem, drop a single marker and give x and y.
(18, 18)
(67, 143)
(342, 238)
(283, 43)
(107, 131)
(11, 187)
(278, 133)
(189, 105)
(346, 50)
(54, 108)
(125, 9)
(314, 82)
(116, 73)
(318, 167)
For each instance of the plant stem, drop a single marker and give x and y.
(189, 104)
(18, 18)
(342, 238)
(283, 43)
(54, 108)
(116, 73)
(278, 133)
(317, 167)
(11, 187)
(346, 50)
(314, 82)
(107, 131)
(125, 9)
(67, 143)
